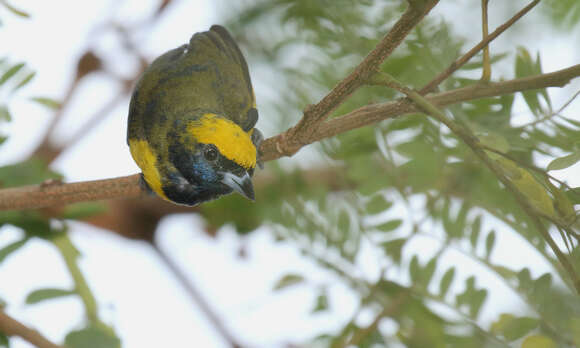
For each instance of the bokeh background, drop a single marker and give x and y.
(259, 266)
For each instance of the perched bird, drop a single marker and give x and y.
(191, 121)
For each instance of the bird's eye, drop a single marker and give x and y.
(210, 153)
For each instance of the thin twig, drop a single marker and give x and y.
(69, 254)
(196, 296)
(472, 52)
(555, 113)
(12, 327)
(486, 73)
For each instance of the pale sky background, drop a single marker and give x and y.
(136, 294)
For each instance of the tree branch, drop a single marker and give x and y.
(373, 113)
(316, 114)
(12, 327)
(470, 140)
(69, 255)
(50, 194)
(44, 195)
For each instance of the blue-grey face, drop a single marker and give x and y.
(206, 175)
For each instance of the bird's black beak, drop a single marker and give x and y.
(242, 185)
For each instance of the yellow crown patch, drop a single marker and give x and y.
(229, 138)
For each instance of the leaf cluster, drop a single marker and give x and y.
(462, 206)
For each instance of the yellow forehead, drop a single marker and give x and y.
(229, 138)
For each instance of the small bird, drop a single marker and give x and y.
(191, 121)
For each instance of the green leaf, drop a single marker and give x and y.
(10, 72)
(565, 14)
(504, 271)
(4, 114)
(455, 227)
(288, 280)
(477, 302)
(573, 195)
(564, 161)
(538, 341)
(40, 295)
(528, 186)
(92, 337)
(24, 81)
(321, 303)
(394, 247)
(390, 225)
(543, 91)
(47, 102)
(472, 297)
(562, 204)
(83, 210)
(494, 141)
(34, 223)
(14, 10)
(31, 171)
(4, 343)
(10, 248)
(428, 271)
(421, 275)
(512, 327)
(415, 269)
(524, 279)
(542, 286)
(575, 328)
(446, 281)
(475, 230)
(378, 204)
(526, 66)
(489, 243)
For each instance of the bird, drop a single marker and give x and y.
(191, 122)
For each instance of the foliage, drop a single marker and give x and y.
(393, 186)
(412, 163)
(35, 224)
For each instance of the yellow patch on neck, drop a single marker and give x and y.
(147, 161)
(229, 138)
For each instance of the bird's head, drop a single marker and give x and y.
(215, 156)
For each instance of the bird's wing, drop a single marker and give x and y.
(233, 84)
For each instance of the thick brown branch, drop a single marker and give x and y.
(12, 327)
(50, 194)
(38, 196)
